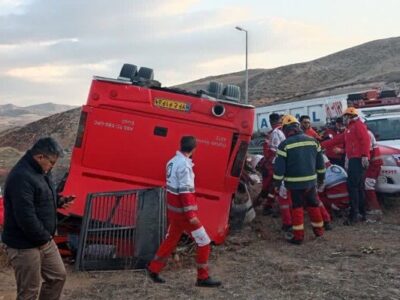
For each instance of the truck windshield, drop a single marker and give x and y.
(385, 129)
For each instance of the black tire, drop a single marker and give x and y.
(215, 88)
(128, 71)
(146, 73)
(232, 92)
(150, 226)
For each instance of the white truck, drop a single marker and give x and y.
(320, 110)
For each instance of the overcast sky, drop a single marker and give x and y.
(49, 49)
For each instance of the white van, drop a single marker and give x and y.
(384, 122)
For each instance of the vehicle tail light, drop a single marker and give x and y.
(81, 129)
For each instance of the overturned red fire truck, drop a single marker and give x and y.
(131, 126)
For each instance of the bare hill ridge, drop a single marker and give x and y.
(62, 126)
(373, 64)
(14, 116)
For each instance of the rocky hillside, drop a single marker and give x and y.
(62, 126)
(373, 64)
(14, 116)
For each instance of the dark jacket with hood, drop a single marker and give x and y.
(30, 204)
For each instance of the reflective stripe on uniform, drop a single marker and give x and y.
(301, 178)
(376, 158)
(335, 196)
(161, 259)
(302, 144)
(321, 171)
(317, 225)
(286, 206)
(202, 266)
(335, 183)
(298, 227)
(277, 177)
(181, 190)
(281, 153)
(181, 209)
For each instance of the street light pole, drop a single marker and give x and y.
(246, 101)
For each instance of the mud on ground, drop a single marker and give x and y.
(360, 262)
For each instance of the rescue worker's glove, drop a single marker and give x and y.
(365, 162)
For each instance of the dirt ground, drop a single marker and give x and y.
(360, 262)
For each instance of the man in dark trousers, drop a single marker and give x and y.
(357, 147)
(299, 162)
(30, 202)
(182, 216)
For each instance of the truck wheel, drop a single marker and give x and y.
(146, 73)
(232, 92)
(128, 71)
(215, 88)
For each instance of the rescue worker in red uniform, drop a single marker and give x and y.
(299, 163)
(305, 123)
(274, 138)
(371, 175)
(182, 216)
(357, 146)
(334, 153)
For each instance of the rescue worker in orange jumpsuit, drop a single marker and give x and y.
(182, 216)
(305, 123)
(299, 163)
(274, 138)
(371, 175)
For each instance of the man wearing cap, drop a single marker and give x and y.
(357, 147)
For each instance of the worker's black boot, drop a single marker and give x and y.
(328, 226)
(208, 282)
(294, 241)
(155, 277)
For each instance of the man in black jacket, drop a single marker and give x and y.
(30, 202)
(300, 164)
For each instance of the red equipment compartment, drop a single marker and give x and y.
(128, 133)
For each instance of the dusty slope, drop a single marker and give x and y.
(360, 262)
(62, 126)
(373, 64)
(15, 116)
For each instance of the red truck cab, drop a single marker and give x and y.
(130, 127)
